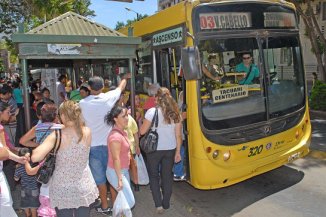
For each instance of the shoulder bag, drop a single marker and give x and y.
(46, 170)
(148, 143)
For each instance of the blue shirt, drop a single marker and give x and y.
(27, 181)
(42, 130)
(254, 72)
(18, 95)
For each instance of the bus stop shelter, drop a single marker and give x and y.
(67, 39)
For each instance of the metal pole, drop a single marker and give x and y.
(132, 87)
(26, 95)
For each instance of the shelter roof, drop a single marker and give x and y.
(71, 23)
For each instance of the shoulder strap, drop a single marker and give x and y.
(155, 118)
(247, 76)
(121, 135)
(47, 130)
(57, 141)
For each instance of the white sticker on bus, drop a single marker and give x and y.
(229, 20)
(171, 36)
(230, 93)
(279, 19)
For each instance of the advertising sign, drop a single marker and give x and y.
(64, 49)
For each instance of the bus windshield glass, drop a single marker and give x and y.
(249, 80)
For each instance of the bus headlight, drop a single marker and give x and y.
(226, 155)
(215, 154)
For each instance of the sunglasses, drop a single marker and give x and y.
(246, 58)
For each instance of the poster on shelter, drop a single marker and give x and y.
(64, 49)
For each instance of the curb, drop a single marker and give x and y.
(317, 114)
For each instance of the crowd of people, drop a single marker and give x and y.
(96, 139)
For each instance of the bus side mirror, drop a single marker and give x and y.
(190, 63)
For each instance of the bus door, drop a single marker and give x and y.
(162, 67)
(167, 69)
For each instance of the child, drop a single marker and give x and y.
(29, 189)
(45, 209)
(48, 117)
(46, 95)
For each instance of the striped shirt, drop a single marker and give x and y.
(44, 129)
(27, 182)
(12, 103)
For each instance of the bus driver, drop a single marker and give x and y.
(246, 66)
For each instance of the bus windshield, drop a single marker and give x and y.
(249, 80)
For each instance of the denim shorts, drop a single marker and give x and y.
(98, 161)
(29, 198)
(113, 180)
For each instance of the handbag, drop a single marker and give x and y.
(46, 170)
(148, 143)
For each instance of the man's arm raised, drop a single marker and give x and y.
(123, 82)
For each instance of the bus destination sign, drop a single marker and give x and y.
(229, 20)
(279, 19)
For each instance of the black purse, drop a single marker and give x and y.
(46, 170)
(148, 143)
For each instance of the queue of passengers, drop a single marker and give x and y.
(98, 142)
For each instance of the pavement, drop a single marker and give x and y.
(182, 205)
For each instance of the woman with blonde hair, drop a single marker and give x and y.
(160, 162)
(72, 187)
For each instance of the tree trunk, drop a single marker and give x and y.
(315, 35)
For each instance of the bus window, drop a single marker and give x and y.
(144, 76)
(231, 88)
(285, 79)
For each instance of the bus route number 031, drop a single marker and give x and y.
(255, 150)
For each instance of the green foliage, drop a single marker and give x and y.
(2, 67)
(36, 12)
(12, 12)
(318, 96)
(120, 25)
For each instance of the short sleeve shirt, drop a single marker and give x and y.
(254, 72)
(94, 108)
(61, 89)
(166, 132)
(18, 95)
(121, 137)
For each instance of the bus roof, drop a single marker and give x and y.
(176, 15)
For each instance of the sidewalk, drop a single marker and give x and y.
(314, 114)
(144, 205)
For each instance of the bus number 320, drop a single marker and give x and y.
(255, 150)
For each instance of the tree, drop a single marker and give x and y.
(34, 13)
(313, 30)
(49, 9)
(120, 25)
(12, 12)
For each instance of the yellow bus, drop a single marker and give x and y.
(240, 66)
